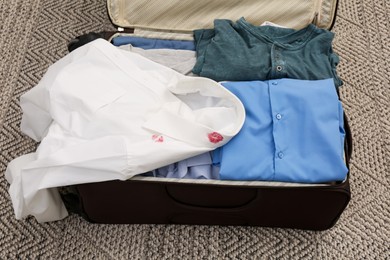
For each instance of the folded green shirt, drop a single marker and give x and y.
(241, 51)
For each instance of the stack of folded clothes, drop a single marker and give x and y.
(287, 81)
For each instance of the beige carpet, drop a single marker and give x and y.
(33, 34)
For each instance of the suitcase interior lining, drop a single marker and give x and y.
(233, 183)
(185, 16)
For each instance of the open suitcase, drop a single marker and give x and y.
(149, 200)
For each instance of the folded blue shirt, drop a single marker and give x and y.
(197, 167)
(293, 132)
(150, 43)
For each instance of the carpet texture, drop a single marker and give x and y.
(34, 34)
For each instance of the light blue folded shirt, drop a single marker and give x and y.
(293, 132)
(197, 167)
(151, 43)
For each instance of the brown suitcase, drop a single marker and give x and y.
(149, 200)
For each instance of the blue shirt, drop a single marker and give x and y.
(151, 43)
(293, 132)
(197, 167)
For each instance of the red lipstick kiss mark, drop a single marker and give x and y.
(158, 138)
(215, 137)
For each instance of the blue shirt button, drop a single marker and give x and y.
(280, 155)
(278, 116)
(274, 83)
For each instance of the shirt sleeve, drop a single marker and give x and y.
(202, 38)
(36, 117)
(334, 61)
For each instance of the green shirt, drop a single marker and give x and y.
(241, 51)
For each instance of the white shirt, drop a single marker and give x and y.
(102, 113)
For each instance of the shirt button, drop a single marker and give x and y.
(279, 68)
(280, 155)
(274, 83)
(278, 116)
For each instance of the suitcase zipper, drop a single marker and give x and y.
(125, 30)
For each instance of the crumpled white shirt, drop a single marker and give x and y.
(102, 114)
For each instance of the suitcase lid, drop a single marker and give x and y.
(185, 16)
